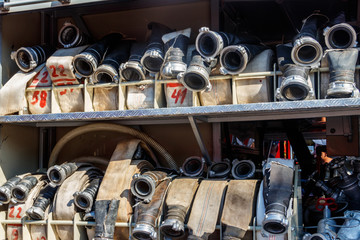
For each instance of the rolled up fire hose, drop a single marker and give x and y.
(167, 158)
(340, 35)
(342, 64)
(178, 201)
(5, 189)
(64, 207)
(61, 71)
(86, 62)
(243, 169)
(295, 84)
(70, 36)
(153, 57)
(38, 210)
(176, 44)
(143, 185)
(278, 185)
(306, 50)
(21, 191)
(206, 208)
(148, 213)
(17, 211)
(114, 201)
(28, 58)
(193, 166)
(58, 173)
(85, 199)
(219, 170)
(132, 70)
(238, 208)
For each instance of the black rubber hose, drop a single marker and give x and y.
(46, 195)
(132, 70)
(21, 191)
(5, 189)
(28, 58)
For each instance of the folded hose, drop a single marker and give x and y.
(132, 70)
(28, 58)
(46, 195)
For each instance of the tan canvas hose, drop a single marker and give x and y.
(238, 208)
(205, 209)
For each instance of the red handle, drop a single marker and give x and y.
(322, 202)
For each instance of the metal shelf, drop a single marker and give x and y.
(221, 113)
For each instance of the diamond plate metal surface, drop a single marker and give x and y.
(254, 111)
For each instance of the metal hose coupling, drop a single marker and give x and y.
(342, 64)
(349, 183)
(196, 77)
(193, 166)
(176, 45)
(132, 70)
(220, 170)
(328, 191)
(58, 173)
(28, 58)
(20, 192)
(5, 190)
(350, 230)
(243, 169)
(46, 195)
(153, 57)
(85, 199)
(278, 184)
(338, 34)
(108, 71)
(307, 51)
(148, 213)
(143, 185)
(295, 84)
(234, 59)
(87, 61)
(70, 36)
(178, 201)
(210, 43)
(326, 226)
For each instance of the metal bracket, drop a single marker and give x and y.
(199, 140)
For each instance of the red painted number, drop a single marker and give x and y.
(61, 68)
(43, 96)
(11, 213)
(19, 212)
(178, 94)
(42, 238)
(36, 80)
(15, 234)
(65, 91)
(45, 75)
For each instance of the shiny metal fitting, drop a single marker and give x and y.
(340, 36)
(152, 60)
(172, 228)
(306, 52)
(196, 79)
(193, 167)
(5, 195)
(209, 44)
(144, 231)
(243, 169)
(275, 223)
(69, 29)
(26, 58)
(132, 68)
(233, 60)
(105, 74)
(19, 194)
(83, 200)
(35, 213)
(342, 89)
(323, 236)
(143, 187)
(85, 64)
(173, 69)
(294, 88)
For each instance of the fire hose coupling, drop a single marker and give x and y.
(338, 34)
(176, 44)
(46, 195)
(153, 57)
(133, 70)
(5, 190)
(234, 59)
(85, 199)
(350, 230)
(193, 166)
(28, 58)
(70, 36)
(196, 77)
(58, 173)
(243, 169)
(295, 84)
(220, 169)
(108, 71)
(87, 61)
(307, 51)
(278, 179)
(342, 64)
(20, 192)
(148, 213)
(143, 185)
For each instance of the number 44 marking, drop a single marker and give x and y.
(177, 93)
